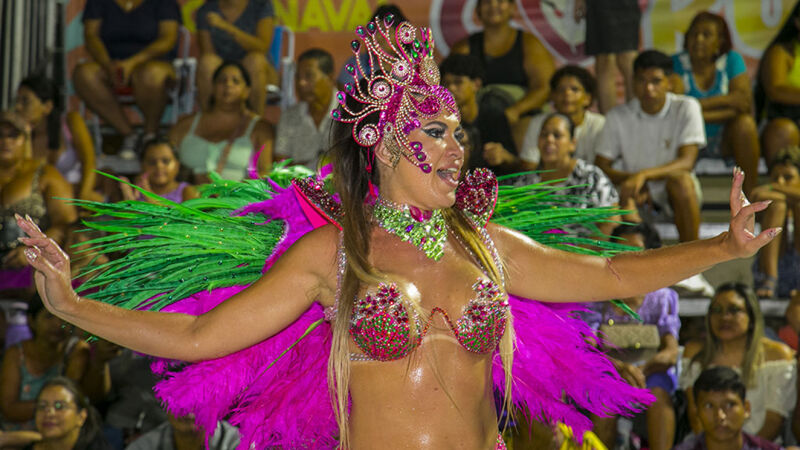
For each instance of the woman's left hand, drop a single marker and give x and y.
(741, 241)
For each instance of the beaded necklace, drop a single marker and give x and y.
(426, 230)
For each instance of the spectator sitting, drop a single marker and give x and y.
(303, 130)
(514, 61)
(777, 93)
(487, 127)
(131, 43)
(778, 268)
(735, 339)
(657, 371)
(719, 398)
(223, 138)
(557, 141)
(709, 70)
(655, 137)
(572, 91)
(160, 167)
(180, 433)
(236, 30)
(27, 187)
(28, 366)
(62, 141)
(65, 419)
(379, 14)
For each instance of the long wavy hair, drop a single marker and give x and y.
(753, 356)
(351, 181)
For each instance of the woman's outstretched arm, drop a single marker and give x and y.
(304, 274)
(543, 273)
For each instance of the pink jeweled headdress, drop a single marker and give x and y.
(402, 85)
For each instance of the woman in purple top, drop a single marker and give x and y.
(659, 372)
(160, 168)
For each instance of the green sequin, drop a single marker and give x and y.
(428, 235)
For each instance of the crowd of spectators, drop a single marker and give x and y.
(734, 387)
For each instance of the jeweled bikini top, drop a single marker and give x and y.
(381, 324)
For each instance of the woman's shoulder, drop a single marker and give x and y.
(778, 51)
(776, 351)
(181, 128)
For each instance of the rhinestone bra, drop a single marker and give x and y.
(381, 324)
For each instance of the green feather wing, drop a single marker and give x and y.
(177, 249)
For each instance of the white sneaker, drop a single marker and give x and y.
(128, 148)
(695, 285)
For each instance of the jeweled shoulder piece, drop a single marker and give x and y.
(476, 195)
(401, 87)
(325, 203)
(426, 230)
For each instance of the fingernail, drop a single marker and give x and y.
(30, 254)
(766, 202)
(27, 217)
(775, 231)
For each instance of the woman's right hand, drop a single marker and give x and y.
(53, 274)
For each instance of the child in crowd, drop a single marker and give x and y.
(778, 268)
(160, 168)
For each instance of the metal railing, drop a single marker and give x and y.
(31, 40)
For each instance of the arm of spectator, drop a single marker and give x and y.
(12, 407)
(95, 46)
(189, 193)
(539, 67)
(60, 212)
(776, 64)
(84, 147)
(498, 157)
(263, 139)
(666, 357)
(772, 427)
(630, 373)
(687, 155)
(259, 42)
(739, 97)
(17, 439)
(791, 191)
(204, 43)
(605, 164)
(632, 186)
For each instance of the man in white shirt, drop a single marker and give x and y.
(649, 146)
(303, 131)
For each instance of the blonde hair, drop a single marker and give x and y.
(352, 183)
